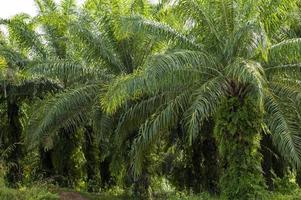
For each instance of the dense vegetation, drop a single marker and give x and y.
(183, 99)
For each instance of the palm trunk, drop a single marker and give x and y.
(46, 163)
(93, 162)
(14, 155)
(68, 158)
(272, 161)
(238, 127)
(142, 187)
(210, 172)
(298, 178)
(141, 184)
(194, 175)
(267, 162)
(105, 172)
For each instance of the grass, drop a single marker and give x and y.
(35, 193)
(41, 193)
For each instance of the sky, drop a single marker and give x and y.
(9, 8)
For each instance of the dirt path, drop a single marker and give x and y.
(71, 196)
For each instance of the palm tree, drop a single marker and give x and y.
(237, 66)
(100, 51)
(17, 86)
(43, 40)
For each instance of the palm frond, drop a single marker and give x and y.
(68, 109)
(160, 70)
(285, 137)
(23, 34)
(205, 102)
(67, 71)
(150, 131)
(195, 10)
(285, 52)
(248, 73)
(163, 31)
(97, 46)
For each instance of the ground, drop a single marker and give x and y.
(71, 196)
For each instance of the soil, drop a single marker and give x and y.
(71, 196)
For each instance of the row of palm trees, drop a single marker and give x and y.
(115, 80)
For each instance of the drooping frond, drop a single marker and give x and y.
(29, 88)
(154, 126)
(285, 52)
(12, 56)
(160, 70)
(285, 137)
(286, 89)
(283, 69)
(104, 124)
(205, 102)
(24, 35)
(135, 114)
(96, 46)
(67, 71)
(160, 31)
(67, 109)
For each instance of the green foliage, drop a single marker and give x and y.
(92, 164)
(38, 192)
(286, 185)
(141, 75)
(31, 194)
(237, 130)
(69, 166)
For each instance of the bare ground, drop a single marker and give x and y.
(71, 196)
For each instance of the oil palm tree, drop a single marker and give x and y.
(17, 86)
(42, 39)
(235, 63)
(101, 50)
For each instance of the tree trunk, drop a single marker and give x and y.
(267, 162)
(237, 130)
(298, 178)
(105, 172)
(142, 187)
(68, 158)
(13, 144)
(91, 152)
(272, 161)
(141, 184)
(46, 163)
(211, 166)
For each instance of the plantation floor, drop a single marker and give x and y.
(71, 196)
(89, 196)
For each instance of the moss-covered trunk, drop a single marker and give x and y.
(142, 183)
(141, 187)
(68, 158)
(298, 177)
(204, 158)
(46, 164)
(14, 153)
(272, 162)
(211, 172)
(237, 130)
(91, 152)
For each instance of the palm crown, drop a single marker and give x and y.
(227, 53)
